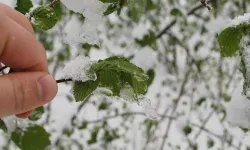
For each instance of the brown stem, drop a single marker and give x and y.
(63, 80)
(53, 3)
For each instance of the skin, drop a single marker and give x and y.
(30, 86)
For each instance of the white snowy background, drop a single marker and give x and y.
(182, 84)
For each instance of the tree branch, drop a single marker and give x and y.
(53, 3)
(220, 137)
(63, 80)
(171, 24)
(126, 114)
(165, 136)
(205, 4)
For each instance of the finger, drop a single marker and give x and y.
(24, 115)
(22, 92)
(17, 17)
(19, 49)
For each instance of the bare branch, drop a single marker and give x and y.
(165, 136)
(126, 114)
(171, 24)
(205, 4)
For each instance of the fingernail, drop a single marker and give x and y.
(47, 88)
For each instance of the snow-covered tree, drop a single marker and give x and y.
(146, 75)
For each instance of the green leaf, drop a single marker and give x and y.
(229, 40)
(115, 72)
(44, 18)
(112, 8)
(148, 40)
(187, 130)
(227, 98)
(84, 125)
(3, 126)
(82, 90)
(33, 138)
(244, 129)
(23, 6)
(58, 7)
(94, 135)
(103, 106)
(37, 114)
(16, 137)
(210, 143)
(200, 101)
(176, 12)
(151, 75)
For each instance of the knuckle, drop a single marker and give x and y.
(18, 93)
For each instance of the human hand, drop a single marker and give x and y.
(30, 86)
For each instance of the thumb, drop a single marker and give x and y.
(21, 92)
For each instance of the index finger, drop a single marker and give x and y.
(16, 16)
(19, 48)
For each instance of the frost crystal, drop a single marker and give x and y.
(147, 106)
(93, 11)
(127, 93)
(78, 69)
(238, 110)
(239, 20)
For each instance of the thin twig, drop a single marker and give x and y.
(182, 90)
(63, 80)
(171, 24)
(127, 114)
(205, 4)
(220, 137)
(53, 3)
(1, 69)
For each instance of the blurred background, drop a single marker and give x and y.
(175, 42)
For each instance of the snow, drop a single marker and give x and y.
(78, 69)
(127, 93)
(147, 106)
(239, 20)
(87, 33)
(246, 57)
(238, 109)
(12, 122)
(11, 3)
(147, 54)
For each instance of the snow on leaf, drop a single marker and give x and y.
(79, 69)
(87, 33)
(239, 20)
(229, 39)
(44, 17)
(127, 93)
(125, 72)
(147, 106)
(75, 32)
